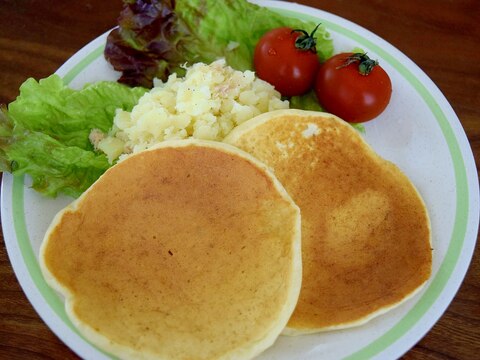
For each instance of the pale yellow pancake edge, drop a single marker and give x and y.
(289, 331)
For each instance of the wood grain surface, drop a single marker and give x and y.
(442, 37)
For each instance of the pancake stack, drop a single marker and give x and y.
(190, 250)
(365, 228)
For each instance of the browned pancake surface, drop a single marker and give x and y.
(365, 229)
(184, 253)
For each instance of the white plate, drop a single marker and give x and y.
(419, 132)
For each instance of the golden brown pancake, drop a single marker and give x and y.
(190, 250)
(365, 228)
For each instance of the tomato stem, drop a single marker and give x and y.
(306, 42)
(365, 64)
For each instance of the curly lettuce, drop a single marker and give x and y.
(45, 132)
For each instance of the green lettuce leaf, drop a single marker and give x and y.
(359, 127)
(44, 132)
(306, 102)
(218, 24)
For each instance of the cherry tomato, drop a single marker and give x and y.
(287, 59)
(343, 90)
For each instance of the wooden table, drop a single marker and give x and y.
(442, 37)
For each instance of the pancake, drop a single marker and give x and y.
(190, 250)
(365, 228)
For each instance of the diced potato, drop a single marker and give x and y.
(206, 104)
(112, 147)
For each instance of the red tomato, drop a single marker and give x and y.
(342, 90)
(287, 59)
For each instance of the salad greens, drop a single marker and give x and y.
(44, 132)
(156, 37)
